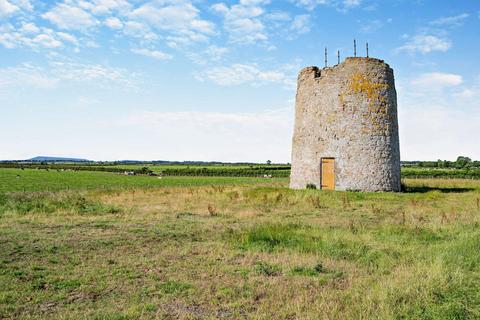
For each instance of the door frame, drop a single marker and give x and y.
(321, 170)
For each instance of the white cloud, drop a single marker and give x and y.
(243, 21)
(159, 55)
(438, 116)
(67, 37)
(26, 75)
(311, 4)
(238, 74)
(352, 3)
(466, 93)
(47, 41)
(278, 16)
(103, 7)
(7, 38)
(211, 54)
(67, 16)
(209, 136)
(114, 23)
(167, 17)
(454, 21)
(23, 4)
(301, 24)
(29, 28)
(436, 80)
(425, 43)
(139, 30)
(92, 73)
(177, 22)
(59, 73)
(181, 19)
(10, 7)
(216, 53)
(30, 35)
(341, 5)
(431, 132)
(7, 8)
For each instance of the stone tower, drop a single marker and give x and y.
(346, 128)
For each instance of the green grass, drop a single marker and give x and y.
(266, 252)
(34, 203)
(15, 180)
(159, 168)
(234, 170)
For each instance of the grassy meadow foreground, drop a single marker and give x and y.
(243, 249)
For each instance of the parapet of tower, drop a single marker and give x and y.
(346, 128)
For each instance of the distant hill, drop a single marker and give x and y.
(56, 159)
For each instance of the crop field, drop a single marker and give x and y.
(14, 180)
(456, 171)
(226, 170)
(234, 248)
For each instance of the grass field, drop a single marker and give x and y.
(14, 180)
(231, 170)
(238, 251)
(158, 168)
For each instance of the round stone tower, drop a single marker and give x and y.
(346, 128)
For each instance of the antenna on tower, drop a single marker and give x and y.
(354, 48)
(367, 49)
(325, 57)
(338, 56)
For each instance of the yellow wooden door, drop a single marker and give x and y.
(328, 174)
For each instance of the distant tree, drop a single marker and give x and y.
(462, 162)
(462, 158)
(429, 164)
(269, 162)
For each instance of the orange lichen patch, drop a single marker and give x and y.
(361, 84)
(377, 104)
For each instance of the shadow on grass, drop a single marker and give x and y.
(424, 189)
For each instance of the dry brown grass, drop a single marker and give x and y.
(248, 252)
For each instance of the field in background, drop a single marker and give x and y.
(229, 170)
(456, 170)
(15, 180)
(191, 248)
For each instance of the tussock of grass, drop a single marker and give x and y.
(305, 239)
(266, 269)
(174, 287)
(409, 234)
(25, 203)
(309, 271)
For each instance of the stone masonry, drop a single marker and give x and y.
(347, 112)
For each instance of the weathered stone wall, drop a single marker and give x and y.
(347, 112)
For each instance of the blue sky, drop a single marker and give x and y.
(213, 80)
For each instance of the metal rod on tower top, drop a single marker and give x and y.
(367, 49)
(354, 48)
(338, 56)
(325, 57)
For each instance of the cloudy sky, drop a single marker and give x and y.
(213, 80)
